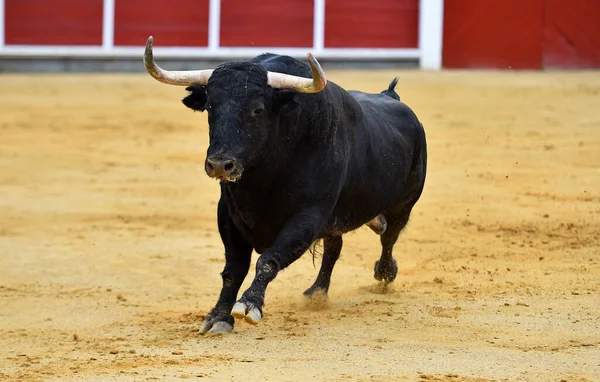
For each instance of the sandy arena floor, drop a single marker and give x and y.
(110, 255)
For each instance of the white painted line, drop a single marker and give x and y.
(319, 26)
(431, 30)
(2, 23)
(204, 53)
(214, 24)
(108, 25)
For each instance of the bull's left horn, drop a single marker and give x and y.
(182, 78)
(301, 84)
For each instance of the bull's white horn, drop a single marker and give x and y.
(301, 84)
(182, 78)
(200, 77)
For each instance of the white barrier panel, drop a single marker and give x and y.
(431, 29)
(1, 24)
(214, 25)
(108, 25)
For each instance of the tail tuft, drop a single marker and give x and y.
(393, 85)
(391, 92)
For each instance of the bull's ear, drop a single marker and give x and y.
(285, 99)
(196, 100)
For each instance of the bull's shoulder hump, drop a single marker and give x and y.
(283, 64)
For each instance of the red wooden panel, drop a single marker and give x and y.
(268, 23)
(572, 34)
(53, 22)
(172, 22)
(371, 24)
(492, 34)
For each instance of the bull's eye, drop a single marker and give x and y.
(257, 112)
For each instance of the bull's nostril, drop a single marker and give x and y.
(229, 167)
(209, 167)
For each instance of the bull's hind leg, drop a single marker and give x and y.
(386, 267)
(332, 248)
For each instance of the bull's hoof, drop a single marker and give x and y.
(217, 321)
(247, 311)
(219, 327)
(315, 291)
(316, 298)
(386, 272)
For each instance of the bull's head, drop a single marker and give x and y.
(244, 102)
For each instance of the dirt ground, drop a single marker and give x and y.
(110, 254)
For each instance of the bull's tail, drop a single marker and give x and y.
(390, 92)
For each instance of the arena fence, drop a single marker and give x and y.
(219, 29)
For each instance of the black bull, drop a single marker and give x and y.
(296, 168)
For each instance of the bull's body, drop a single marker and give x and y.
(369, 159)
(320, 165)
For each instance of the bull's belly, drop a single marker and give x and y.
(352, 213)
(261, 226)
(340, 228)
(262, 234)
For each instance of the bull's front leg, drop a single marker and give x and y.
(293, 240)
(237, 263)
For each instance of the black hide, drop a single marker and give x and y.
(309, 167)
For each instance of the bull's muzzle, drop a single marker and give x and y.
(222, 168)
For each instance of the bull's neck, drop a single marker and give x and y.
(269, 166)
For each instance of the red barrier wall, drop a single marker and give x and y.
(172, 22)
(265, 23)
(572, 34)
(268, 23)
(521, 34)
(359, 24)
(53, 22)
(517, 34)
(492, 34)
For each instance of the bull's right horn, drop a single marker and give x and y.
(182, 78)
(301, 84)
